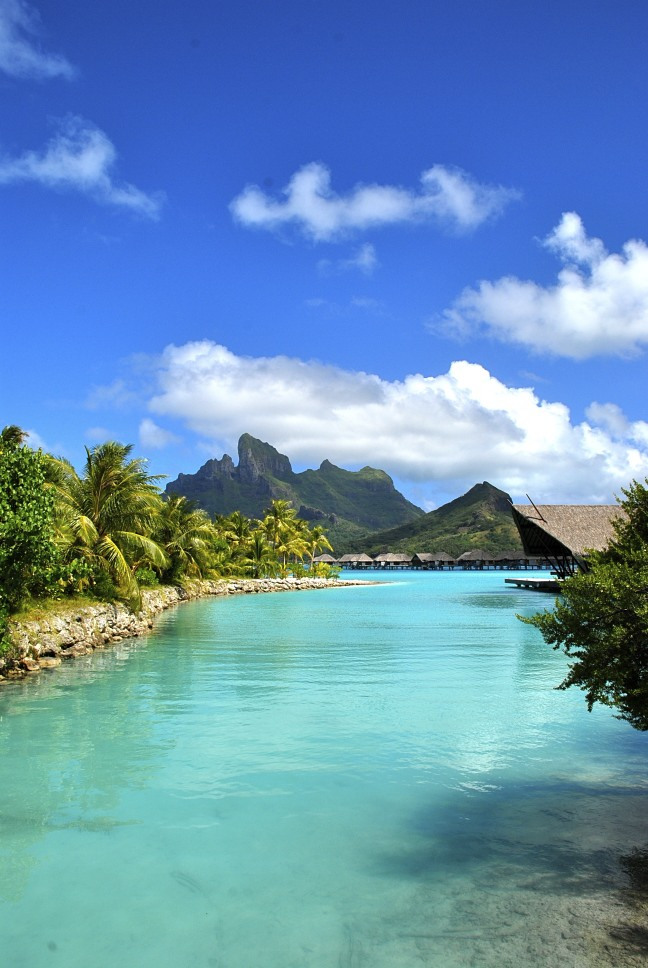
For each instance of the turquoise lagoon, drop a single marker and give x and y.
(380, 776)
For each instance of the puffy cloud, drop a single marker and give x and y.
(448, 430)
(19, 57)
(79, 157)
(599, 305)
(447, 196)
(155, 437)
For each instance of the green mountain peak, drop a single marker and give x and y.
(348, 503)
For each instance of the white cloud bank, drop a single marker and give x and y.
(19, 56)
(599, 305)
(447, 196)
(79, 157)
(449, 430)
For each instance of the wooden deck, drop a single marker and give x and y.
(536, 584)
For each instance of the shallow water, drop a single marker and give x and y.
(379, 776)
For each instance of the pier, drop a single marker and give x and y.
(536, 584)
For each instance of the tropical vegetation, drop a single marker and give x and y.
(601, 620)
(107, 530)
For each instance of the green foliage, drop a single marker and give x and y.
(9, 652)
(146, 577)
(601, 622)
(107, 515)
(28, 555)
(106, 531)
(259, 558)
(186, 534)
(322, 569)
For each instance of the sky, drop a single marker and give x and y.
(409, 235)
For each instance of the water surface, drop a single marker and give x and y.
(379, 776)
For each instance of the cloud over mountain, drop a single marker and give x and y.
(457, 427)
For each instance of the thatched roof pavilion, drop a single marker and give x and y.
(476, 558)
(356, 560)
(325, 559)
(393, 559)
(564, 533)
(429, 559)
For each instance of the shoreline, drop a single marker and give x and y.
(47, 643)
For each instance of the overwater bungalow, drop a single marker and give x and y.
(325, 560)
(475, 559)
(433, 560)
(356, 560)
(393, 559)
(510, 559)
(562, 534)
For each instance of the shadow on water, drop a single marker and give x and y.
(560, 839)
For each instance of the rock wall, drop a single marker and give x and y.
(47, 643)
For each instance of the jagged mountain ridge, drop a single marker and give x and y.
(480, 518)
(347, 503)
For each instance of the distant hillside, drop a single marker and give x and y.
(347, 503)
(481, 518)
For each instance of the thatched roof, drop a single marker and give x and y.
(510, 556)
(475, 555)
(326, 559)
(564, 530)
(355, 557)
(433, 556)
(394, 557)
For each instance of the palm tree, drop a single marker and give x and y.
(12, 436)
(281, 528)
(316, 540)
(107, 515)
(260, 557)
(236, 528)
(186, 534)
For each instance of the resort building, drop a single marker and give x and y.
(393, 560)
(433, 559)
(564, 533)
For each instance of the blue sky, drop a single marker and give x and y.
(406, 235)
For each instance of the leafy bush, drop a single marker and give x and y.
(146, 577)
(9, 652)
(28, 556)
(601, 620)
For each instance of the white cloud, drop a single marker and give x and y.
(35, 441)
(79, 157)
(448, 431)
(155, 437)
(363, 259)
(19, 56)
(374, 306)
(113, 395)
(98, 435)
(365, 304)
(599, 305)
(447, 196)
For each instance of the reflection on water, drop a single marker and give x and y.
(382, 776)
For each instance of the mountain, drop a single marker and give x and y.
(480, 518)
(348, 503)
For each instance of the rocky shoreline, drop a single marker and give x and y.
(46, 643)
